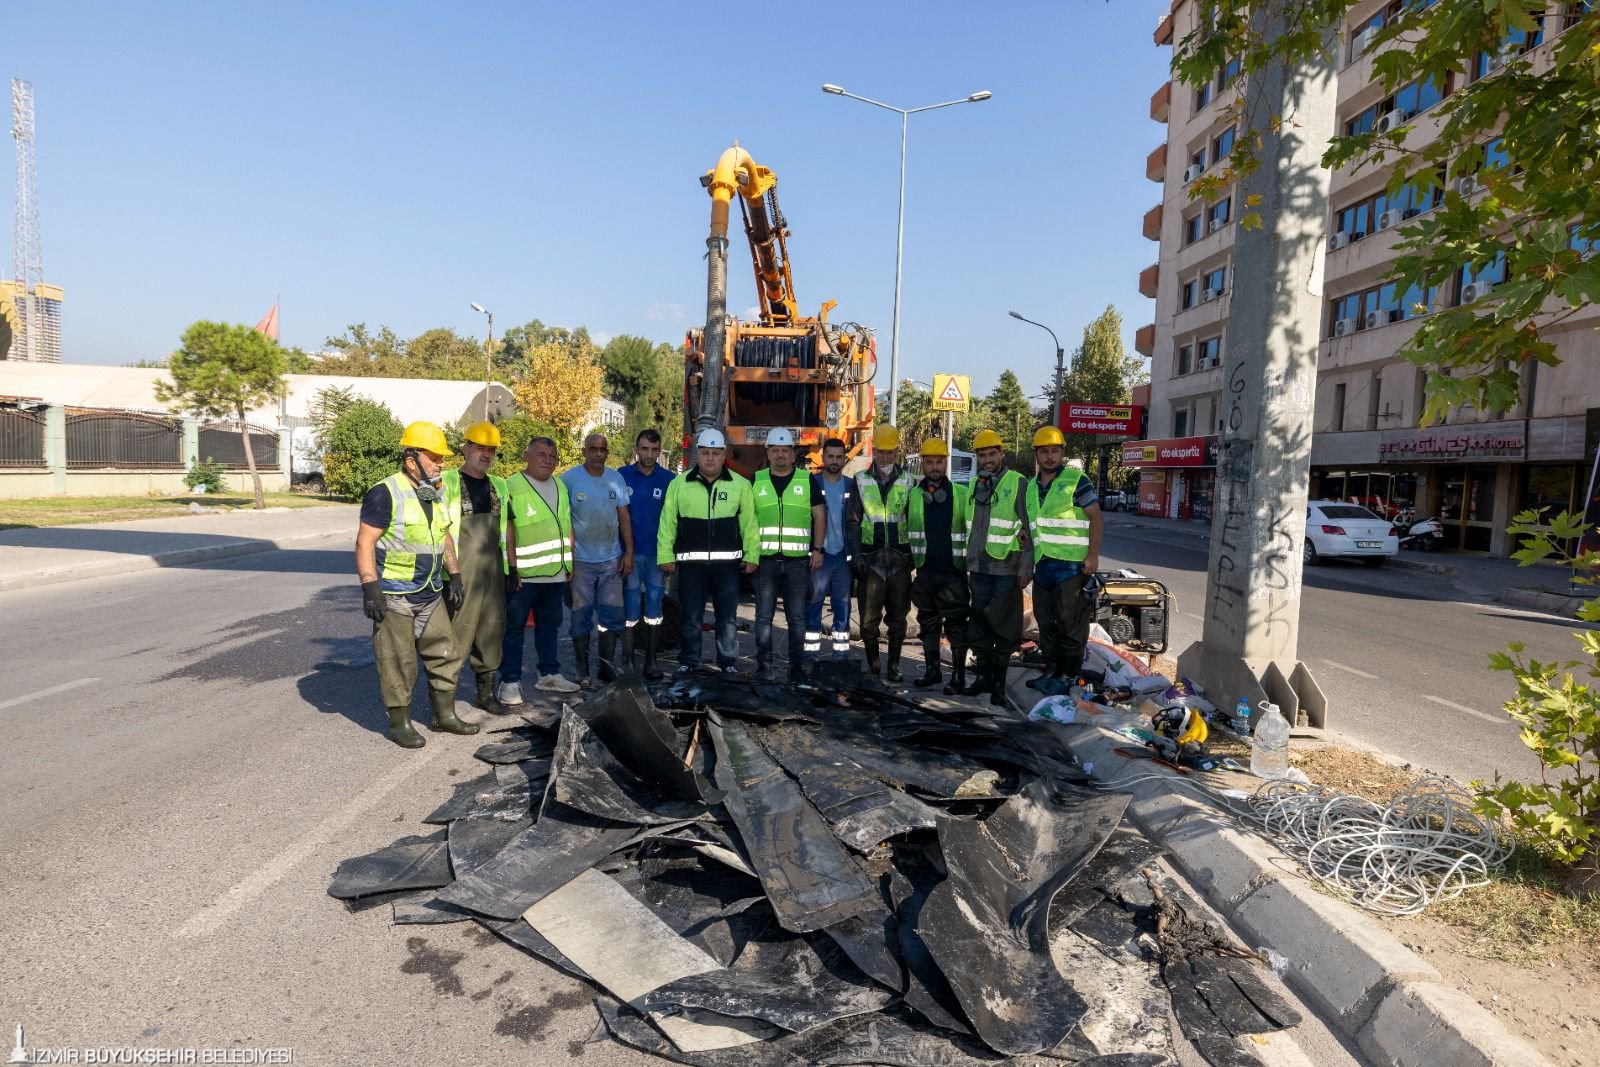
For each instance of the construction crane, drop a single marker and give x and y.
(36, 307)
(785, 369)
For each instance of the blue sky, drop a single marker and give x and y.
(391, 162)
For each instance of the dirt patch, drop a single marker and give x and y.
(527, 1023)
(1356, 773)
(483, 994)
(439, 965)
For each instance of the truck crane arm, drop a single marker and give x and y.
(736, 173)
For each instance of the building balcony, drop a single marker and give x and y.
(1152, 223)
(1161, 102)
(1155, 164)
(1148, 279)
(1144, 339)
(1163, 34)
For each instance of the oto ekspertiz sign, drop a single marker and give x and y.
(1112, 420)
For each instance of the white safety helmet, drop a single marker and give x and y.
(779, 437)
(711, 438)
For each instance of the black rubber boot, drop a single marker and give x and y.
(997, 692)
(485, 697)
(931, 675)
(798, 675)
(608, 655)
(894, 662)
(401, 732)
(652, 644)
(625, 663)
(982, 679)
(580, 653)
(958, 671)
(444, 714)
(870, 646)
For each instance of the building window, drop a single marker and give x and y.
(1210, 352)
(1377, 306)
(1364, 216)
(1185, 359)
(1338, 407)
(1580, 244)
(1217, 216)
(1576, 13)
(1493, 272)
(1198, 160)
(1412, 100)
(1189, 294)
(1222, 147)
(1216, 280)
(1194, 228)
(1180, 423)
(1516, 43)
(1354, 220)
(1230, 71)
(1202, 97)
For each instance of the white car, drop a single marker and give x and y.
(1348, 531)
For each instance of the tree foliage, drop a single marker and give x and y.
(221, 371)
(361, 448)
(561, 386)
(1101, 372)
(514, 350)
(439, 354)
(1010, 415)
(1539, 211)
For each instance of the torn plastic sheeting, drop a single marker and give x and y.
(986, 924)
(793, 984)
(927, 990)
(629, 950)
(941, 774)
(872, 941)
(541, 859)
(585, 775)
(809, 878)
(474, 842)
(409, 863)
(699, 900)
(517, 932)
(427, 909)
(1112, 872)
(514, 751)
(487, 797)
(533, 772)
(736, 696)
(1127, 1003)
(638, 734)
(894, 814)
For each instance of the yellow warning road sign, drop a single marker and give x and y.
(952, 392)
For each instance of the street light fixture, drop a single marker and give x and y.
(900, 233)
(488, 357)
(1055, 411)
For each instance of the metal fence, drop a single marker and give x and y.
(21, 439)
(106, 438)
(222, 443)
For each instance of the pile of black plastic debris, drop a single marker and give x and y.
(765, 874)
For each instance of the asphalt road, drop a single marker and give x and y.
(1401, 655)
(189, 753)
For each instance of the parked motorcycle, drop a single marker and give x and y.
(1427, 535)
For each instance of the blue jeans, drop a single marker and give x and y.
(596, 594)
(647, 582)
(546, 600)
(831, 582)
(696, 583)
(791, 578)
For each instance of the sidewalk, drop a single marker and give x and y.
(47, 555)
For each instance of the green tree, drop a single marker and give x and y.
(221, 371)
(1011, 416)
(438, 354)
(1098, 374)
(360, 448)
(518, 343)
(1539, 212)
(630, 369)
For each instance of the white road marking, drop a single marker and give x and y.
(1484, 715)
(213, 915)
(52, 691)
(1342, 667)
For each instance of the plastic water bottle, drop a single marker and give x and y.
(1269, 758)
(1241, 718)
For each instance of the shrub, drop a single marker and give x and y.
(362, 449)
(206, 474)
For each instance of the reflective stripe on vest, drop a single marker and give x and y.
(1004, 526)
(784, 518)
(544, 538)
(409, 553)
(917, 531)
(1059, 528)
(876, 511)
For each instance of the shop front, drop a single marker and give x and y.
(1177, 475)
(1467, 474)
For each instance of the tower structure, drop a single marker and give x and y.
(38, 305)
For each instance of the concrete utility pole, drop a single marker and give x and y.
(1250, 643)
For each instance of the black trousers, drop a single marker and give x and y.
(942, 603)
(880, 594)
(994, 626)
(1063, 615)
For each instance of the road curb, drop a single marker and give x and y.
(1441, 569)
(178, 557)
(1539, 600)
(1369, 986)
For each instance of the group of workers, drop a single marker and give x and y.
(500, 553)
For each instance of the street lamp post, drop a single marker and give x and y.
(900, 232)
(488, 358)
(1055, 407)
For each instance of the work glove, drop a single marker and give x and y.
(372, 601)
(513, 582)
(455, 593)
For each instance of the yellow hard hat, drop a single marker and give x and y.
(935, 446)
(426, 436)
(485, 434)
(886, 438)
(987, 439)
(1048, 435)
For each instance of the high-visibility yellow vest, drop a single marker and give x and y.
(876, 510)
(452, 498)
(544, 538)
(1004, 526)
(958, 525)
(1059, 528)
(410, 553)
(784, 519)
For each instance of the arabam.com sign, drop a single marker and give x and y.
(1113, 420)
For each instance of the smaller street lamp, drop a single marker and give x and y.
(488, 357)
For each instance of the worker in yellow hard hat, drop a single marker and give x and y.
(999, 565)
(406, 559)
(881, 549)
(1066, 527)
(937, 526)
(474, 499)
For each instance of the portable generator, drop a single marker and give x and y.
(1134, 611)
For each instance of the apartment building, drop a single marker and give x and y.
(1475, 470)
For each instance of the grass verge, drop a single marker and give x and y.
(75, 510)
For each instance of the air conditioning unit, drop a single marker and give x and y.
(1215, 224)
(1338, 241)
(1506, 54)
(1391, 120)
(1358, 46)
(1466, 186)
(1193, 171)
(1344, 327)
(1393, 217)
(1476, 291)
(1210, 295)
(1375, 319)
